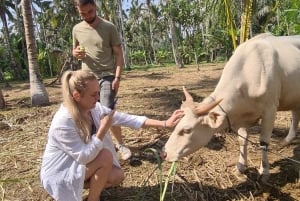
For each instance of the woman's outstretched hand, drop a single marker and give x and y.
(174, 119)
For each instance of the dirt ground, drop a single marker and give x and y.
(206, 175)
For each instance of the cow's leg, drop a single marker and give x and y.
(293, 129)
(267, 125)
(242, 163)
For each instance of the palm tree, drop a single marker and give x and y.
(5, 10)
(121, 26)
(2, 102)
(265, 14)
(112, 11)
(56, 19)
(177, 56)
(149, 9)
(133, 27)
(38, 93)
(172, 29)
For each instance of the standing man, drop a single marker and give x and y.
(97, 43)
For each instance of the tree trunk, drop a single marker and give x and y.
(151, 33)
(123, 35)
(176, 53)
(38, 93)
(2, 102)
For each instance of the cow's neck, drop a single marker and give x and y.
(222, 107)
(227, 118)
(237, 114)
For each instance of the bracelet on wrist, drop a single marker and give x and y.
(118, 78)
(165, 124)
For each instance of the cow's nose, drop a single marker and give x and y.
(163, 155)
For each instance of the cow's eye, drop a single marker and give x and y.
(186, 130)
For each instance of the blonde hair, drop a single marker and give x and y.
(77, 81)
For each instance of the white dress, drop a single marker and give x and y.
(63, 165)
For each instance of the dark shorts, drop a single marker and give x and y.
(107, 94)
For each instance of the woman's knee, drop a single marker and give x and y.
(117, 176)
(121, 176)
(105, 158)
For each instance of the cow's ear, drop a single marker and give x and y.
(215, 119)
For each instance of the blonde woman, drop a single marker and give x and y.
(80, 152)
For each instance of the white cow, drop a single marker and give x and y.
(261, 78)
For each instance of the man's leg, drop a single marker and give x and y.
(124, 151)
(107, 96)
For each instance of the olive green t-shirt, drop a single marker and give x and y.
(98, 43)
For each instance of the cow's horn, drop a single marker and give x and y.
(188, 96)
(205, 108)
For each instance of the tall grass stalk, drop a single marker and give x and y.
(172, 171)
(157, 156)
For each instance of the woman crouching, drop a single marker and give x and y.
(79, 151)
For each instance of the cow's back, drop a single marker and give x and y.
(264, 70)
(288, 50)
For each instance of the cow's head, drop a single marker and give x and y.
(194, 130)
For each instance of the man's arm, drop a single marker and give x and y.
(77, 52)
(119, 59)
(117, 49)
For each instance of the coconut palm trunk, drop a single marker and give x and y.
(123, 35)
(174, 40)
(2, 102)
(38, 93)
(148, 2)
(176, 53)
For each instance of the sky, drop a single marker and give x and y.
(127, 3)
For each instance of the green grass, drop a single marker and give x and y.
(172, 172)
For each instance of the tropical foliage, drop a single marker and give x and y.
(153, 32)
